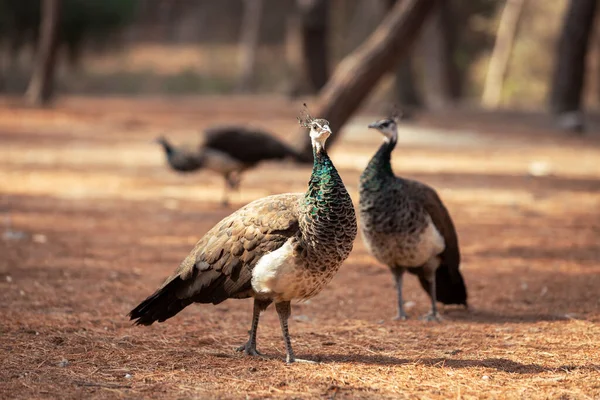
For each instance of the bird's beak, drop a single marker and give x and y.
(373, 125)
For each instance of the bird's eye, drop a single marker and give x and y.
(384, 124)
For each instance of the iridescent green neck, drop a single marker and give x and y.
(380, 167)
(323, 183)
(326, 219)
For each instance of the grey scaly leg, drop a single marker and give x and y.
(225, 198)
(433, 315)
(284, 311)
(235, 184)
(228, 185)
(398, 274)
(232, 183)
(250, 346)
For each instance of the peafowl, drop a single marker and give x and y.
(229, 151)
(405, 225)
(276, 249)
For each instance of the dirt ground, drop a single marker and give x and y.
(92, 222)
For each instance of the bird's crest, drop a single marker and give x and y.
(396, 113)
(306, 120)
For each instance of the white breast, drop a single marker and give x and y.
(431, 243)
(276, 273)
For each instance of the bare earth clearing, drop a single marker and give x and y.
(92, 222)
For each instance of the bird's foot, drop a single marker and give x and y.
(250, 350)
(400, 317)
(432, 317)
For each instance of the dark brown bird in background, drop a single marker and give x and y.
(275, 249)
(229, 151)
(406, 226)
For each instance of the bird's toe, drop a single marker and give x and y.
(432, 317)
(249, 350)
(400, 317)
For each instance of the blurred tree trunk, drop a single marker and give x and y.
(364, 17)
(293, 59)
(4, 65)
(360, 71)
(569, 72)
(407, 93)
(249, 43)
(41, 86)
(315, 18)
(307, 35)
(441, 84)
(499, 61)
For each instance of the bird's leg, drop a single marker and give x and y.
(228, 185)
(250, 346)
(430, 268)
(284, 311)
(232, 182)
(398, 275)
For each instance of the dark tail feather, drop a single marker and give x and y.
(449, 285)
(162, 305)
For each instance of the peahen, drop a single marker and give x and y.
(405, 225)
(276, 249)
(229, 151)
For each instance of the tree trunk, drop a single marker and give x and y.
(3, 66)
(441, 82)
(406, 88)
(499, 61)
(315, 18)
(296, 81)
(249, 43)
(361, 22)
(307, 46)
(41, 86)
(360, 71)
(569, 72)
(407, 93)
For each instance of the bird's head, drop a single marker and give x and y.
(164, 143)
(388, 127)
(161, 140)
(319, 129)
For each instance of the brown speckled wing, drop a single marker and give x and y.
(220, 265)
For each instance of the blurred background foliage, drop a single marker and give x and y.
(190, 47)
